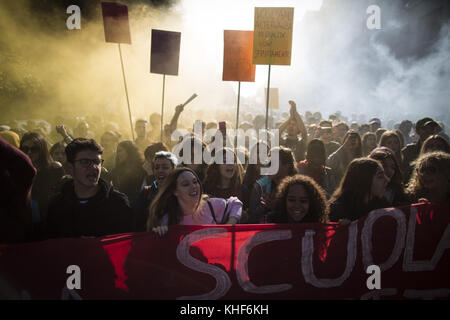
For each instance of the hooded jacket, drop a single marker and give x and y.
(108, 212)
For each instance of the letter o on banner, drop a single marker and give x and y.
(366, 237)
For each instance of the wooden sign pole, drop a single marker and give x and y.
(126, 93)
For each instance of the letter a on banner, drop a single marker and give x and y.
(115, 21)
(237, 56)
(165, 52)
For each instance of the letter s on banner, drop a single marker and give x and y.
(242, 261)
(307, 259)
(222, 279)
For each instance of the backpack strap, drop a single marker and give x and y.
(212, 211)
(225, 214)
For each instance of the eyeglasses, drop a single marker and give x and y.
(86, 163)
(27, 150)
(429, 170)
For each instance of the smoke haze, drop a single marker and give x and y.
(337, 63)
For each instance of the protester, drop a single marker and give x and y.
(142, 141)
(48, 178)
(57, 152)
(361, 190)
(128, 173)
(16, 178)
(225, 180)
(293, 126)
(253, 171)
(379, 133)
(391, 140)
(299, 199)
(190, 162)
(262, 194)
(430, 180)
(339, 132)
(405, 128)
(325, 134)
(395, 191)
(435, 143)
(149, 155)
(350, 149)
(424, 128)
(375, 124)
(11, 137)
(369, 142)
(87, 205)
(109, 141)
(163, 163)
(181, 201)
(314, 166)
(154, 133)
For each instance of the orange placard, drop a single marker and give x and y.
(237, 56)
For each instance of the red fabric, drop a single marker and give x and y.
(146, 266)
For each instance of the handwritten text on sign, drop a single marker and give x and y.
(273, 36)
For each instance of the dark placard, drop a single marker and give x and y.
(115, 21)
(237, 56)
(165, 52)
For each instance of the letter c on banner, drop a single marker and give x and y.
(222, 279)
(307, 259)
(366, 237)
(242, 261)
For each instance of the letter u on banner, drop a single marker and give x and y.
(307, 259)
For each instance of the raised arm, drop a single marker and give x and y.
(298, 120)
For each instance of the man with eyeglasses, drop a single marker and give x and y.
(88, 206)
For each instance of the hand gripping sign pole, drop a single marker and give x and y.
(237, 61)
(272, 44)
(164, 59)
(117, 30)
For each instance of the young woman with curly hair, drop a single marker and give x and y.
(299, 199)
(431, 178)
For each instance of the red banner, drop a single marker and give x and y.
(303, 261)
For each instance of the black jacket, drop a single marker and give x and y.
(108, 212)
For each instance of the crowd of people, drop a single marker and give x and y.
(59, 181)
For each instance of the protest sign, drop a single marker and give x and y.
(272, 42)
(165, 52)
(237, 56)
(115, 22)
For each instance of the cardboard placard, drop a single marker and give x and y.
(165, 52)
(237, 56)
(115, 22)
(272, 44)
